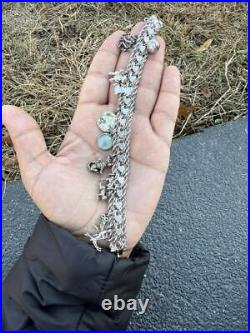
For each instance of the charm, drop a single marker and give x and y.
(102, 190)
(110, 183)
(156, 23)
(107, 121)
(97, 166)
(106, 187)
(153, 45)
(126, 42)
(104, 141)
(101, 222)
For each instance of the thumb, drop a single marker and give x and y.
(28, 140)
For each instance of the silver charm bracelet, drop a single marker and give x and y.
(116, 128)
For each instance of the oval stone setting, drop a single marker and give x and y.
(153, 45)
(104, 141)
(107, 121)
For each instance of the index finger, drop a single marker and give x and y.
(96, 85)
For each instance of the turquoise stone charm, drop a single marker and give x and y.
(104, 141)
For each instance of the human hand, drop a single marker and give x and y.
(61, 186)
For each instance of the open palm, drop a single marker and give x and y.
(61, 186)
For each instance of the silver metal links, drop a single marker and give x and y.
(116, 130)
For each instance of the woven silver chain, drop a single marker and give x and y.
(116, 128)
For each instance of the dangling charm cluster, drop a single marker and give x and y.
(115, 130)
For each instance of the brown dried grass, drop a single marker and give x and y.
(47, 49)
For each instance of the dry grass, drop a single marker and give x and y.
(49, 46)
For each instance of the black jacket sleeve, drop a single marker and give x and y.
(59, 283)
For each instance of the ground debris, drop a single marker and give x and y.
(48, 47)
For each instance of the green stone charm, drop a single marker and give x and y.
(104, 141)
(107, 121)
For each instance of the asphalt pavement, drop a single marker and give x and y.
(197, 277)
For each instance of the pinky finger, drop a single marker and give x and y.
(165, 112)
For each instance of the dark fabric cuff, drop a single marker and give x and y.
(60, 281)
(76, 267)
